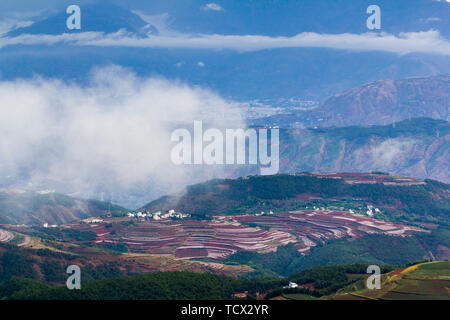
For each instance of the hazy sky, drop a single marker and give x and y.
(110, 135)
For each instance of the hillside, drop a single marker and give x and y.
(398, 198)
(424, 281)
(387, 101)
(46, 260)
(417, 147)
(28, 207)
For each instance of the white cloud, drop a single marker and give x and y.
(403, 43)
(431, 19)
(11, 24)
(388, 153)
(162, 22)
(111, 137)
(22, 19)
(212, 7)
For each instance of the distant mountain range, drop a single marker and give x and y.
(27, 207)
(354, 80)
(305, 73)
(289, 17)
(376, 103)
(417, 147)
(101, 17)
(388, 101)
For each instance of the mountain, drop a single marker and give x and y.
(420, 280)
(399, 198)
(412, 217)
(28, 207)
(388, 101)
(303, 73)
(289, 17)
(417, 147)
(423, 281)
(101, 17)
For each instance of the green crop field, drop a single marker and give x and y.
(299, 296)
(426, 281)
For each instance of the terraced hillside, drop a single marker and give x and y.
(48, 260)
(6, 236)
(398, 198)
(315, 227)
(320, 283)
(224, 236)
(187, 239)
(425, 281)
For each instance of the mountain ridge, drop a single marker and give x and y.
(399, 198)
(94, 18)
(389, 101)
(29, 207)
(418, 147)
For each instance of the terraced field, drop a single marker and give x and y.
(6, 236)
(426, 281)
(223, 236)
(312, 227)
(189, 239)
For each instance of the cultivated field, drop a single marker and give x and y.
(425, 281)
(188, 239)
(6, 236)
(312, 227)
(222, 236)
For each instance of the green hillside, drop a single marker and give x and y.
(429, 280)
(424, 281)
(370, 249)
(414, 200)
(28, 207)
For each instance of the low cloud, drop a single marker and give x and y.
(403, 43)
(388, 153)
(212, 7)
(111, 137)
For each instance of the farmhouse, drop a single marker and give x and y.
(93, 220)
(291, 285)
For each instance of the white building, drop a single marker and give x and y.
(93, 220)
(291, 285)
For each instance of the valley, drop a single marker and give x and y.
(264, 225)
(238, 150)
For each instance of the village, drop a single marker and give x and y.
(158, 215)
(142, 216)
